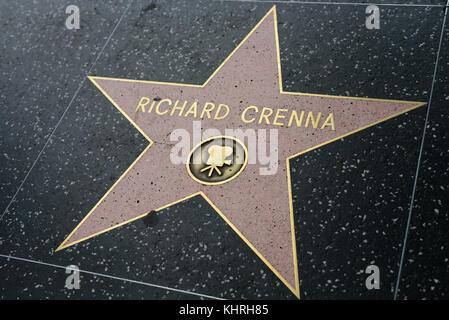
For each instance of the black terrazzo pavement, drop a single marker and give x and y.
(382, 3)
(425, 270)
(351, 197)
(41, 66)
(50, 283)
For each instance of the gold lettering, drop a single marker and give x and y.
(265, 116)
(176, 107)
(218, 112)
(295, 115)
(314, 121)
(142, 103)
(278, 116)
(244, 113)
(192, 110)
(157, 106)
(329, 122)
(207, 109)
(151, 107)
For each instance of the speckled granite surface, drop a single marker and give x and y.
(424, 273)
(351, 198)
(42, 65)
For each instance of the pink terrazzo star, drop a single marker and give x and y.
(258, 207)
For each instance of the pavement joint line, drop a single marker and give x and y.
(66, 110)
(111, 277)
(418, 165)
(340, 3)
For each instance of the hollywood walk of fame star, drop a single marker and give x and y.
(258, 207)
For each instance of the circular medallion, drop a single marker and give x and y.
(217, 160)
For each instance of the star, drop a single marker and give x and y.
(258, 207)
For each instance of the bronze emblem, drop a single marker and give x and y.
(217, 160)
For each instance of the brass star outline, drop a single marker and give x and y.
(295, 290)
